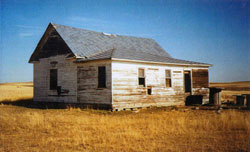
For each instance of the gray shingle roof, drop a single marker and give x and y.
(85, 42)
(136, 55)
(91, 45)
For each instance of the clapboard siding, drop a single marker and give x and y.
(87, 83)
(127, 93)
(122, 89)
(66, 79)
(200, 78)
(201, 83)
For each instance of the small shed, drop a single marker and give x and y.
(247, 100)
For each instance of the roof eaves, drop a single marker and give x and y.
(87, 60)
(168, 63)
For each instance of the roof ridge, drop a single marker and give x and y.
(55, 25)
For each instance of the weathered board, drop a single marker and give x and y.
(87, 83)
(200, 78)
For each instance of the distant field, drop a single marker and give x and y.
(158, 129)
(232, 88)
(16, 91)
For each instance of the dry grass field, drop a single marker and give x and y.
(16, 91)
(158, 129)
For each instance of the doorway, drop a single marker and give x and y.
(187, 81)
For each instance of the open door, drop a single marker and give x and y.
(187, 81)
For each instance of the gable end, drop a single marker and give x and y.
(51, 44)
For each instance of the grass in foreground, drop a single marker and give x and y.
(25, 129)
(73, 129)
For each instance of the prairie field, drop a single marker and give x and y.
(16, 91)
(232, 88)
(27, 128)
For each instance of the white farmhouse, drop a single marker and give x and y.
(74, 65)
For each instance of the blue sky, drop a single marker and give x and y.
(215, 32)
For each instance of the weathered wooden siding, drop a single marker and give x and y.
(127, 93)
(201, 83)
(122, 89)
(200, 78)
(67, 79)
(87, 83)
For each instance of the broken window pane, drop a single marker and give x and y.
(168, 78)
(168, 74)
(168, 82)
(141, 73)
(141, 78)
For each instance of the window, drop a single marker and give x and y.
(168, 78)
(141, 77)
(187, 81)
(101, 77)
(149, 91)
(53, 79)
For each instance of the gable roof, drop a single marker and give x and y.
(90, 45)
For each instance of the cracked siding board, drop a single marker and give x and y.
(66, 79)
(87, 83)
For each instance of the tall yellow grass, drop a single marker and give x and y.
(73, 129)
(23, 129)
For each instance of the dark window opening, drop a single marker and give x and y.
(187, 80)
(141, 77)
(53, 79)
(168, 78)
(142, 81)
(149, 91)
(101, 77)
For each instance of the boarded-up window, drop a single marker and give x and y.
(101, 77)
(141, 77)
(200, 78)
(53, 79)
(168, 78)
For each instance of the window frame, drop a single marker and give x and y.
(169, 78)
(104, 84)
(53, 86)
(144, 77)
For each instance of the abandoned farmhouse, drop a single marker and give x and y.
(74, 65)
